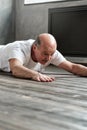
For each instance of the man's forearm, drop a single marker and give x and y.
(18, 70)
(79, 70)
(23, 72)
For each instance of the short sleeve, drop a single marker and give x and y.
(16, 52)
(57, 58)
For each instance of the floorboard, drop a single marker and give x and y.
(31, 105)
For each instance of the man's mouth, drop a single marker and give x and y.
(44, 61)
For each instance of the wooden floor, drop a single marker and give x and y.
(30, 105)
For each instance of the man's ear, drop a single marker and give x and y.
(34, 47)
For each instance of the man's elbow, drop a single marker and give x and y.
(15, 72)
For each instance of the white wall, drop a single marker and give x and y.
(39, 1)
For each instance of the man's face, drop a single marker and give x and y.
(43, 53)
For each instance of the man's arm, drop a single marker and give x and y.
(77, 69)
(18, 70)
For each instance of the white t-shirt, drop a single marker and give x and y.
(21, 50)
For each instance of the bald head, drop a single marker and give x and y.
(47, 40)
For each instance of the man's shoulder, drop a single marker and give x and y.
(30, 40)
(23, 41)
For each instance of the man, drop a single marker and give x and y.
(27, 59)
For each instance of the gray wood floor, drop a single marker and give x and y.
(30, 105)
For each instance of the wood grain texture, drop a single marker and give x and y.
(31, 105)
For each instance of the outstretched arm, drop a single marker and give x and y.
(18, 70)
(77, 69)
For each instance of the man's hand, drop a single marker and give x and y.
(42, 78)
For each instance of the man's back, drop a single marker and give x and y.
(17, 49)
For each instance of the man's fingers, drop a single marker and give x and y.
(45, 78)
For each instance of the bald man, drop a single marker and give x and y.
(27, 59)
